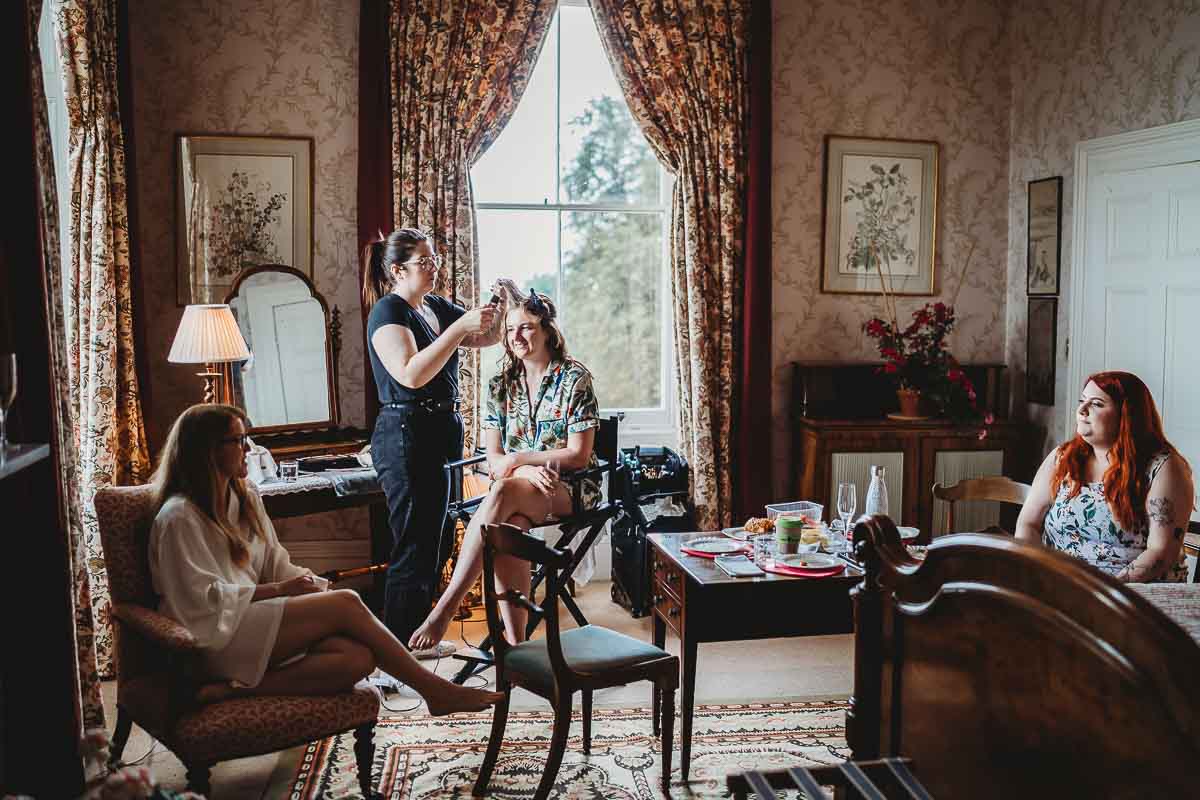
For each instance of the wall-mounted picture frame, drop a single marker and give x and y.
(1043, 251)
(879, 218)
(241, 201)
(1041, 350)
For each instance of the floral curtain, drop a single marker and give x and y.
(106, 414)
(458, 70)
(89, 709)
(682, 66)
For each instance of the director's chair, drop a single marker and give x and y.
(579, 530)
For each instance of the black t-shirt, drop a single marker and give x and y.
(391, 309)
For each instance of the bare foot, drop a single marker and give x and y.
(214, 692)
(430, 633)
(461, 698)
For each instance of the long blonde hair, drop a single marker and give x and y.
(187, 467)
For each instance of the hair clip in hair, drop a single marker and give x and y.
(538, 306)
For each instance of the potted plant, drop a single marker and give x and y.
(918, 358)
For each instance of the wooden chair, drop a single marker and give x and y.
(153, 654)
(579, 530)
(993, 488)
(580, 659)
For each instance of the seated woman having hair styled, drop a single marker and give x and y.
(541, 419)
(1118, 495)
(266, 625)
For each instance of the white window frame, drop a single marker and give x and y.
(648, 426)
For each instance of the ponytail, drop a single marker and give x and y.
(375, 280)
(397, 248)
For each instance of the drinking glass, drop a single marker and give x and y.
(764, 549)
(289, 470)
(8, 393)
(847, 500)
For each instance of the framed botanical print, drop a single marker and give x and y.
(879, 216)
(1044, 244)
(241, 201)
(1041, 349)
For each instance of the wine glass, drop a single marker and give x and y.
(8, 393)
(847, 501)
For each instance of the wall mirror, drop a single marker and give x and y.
(290, 381)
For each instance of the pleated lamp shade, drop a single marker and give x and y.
(208, 334)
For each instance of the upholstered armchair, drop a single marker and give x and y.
(153, 688)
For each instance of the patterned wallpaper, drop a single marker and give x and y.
(902, 69)
(1082, 70)
(284, 67)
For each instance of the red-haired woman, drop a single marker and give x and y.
(1118, 495)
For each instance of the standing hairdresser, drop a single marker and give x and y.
(413, 336)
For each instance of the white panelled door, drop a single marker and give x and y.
(1140, 309)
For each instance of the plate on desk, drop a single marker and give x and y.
(809, 561)
(711, 546)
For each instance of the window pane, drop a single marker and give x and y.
(612, 269)
(604, 156)
(522, 245)
(519, 167)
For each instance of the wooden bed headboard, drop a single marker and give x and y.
(1004, 669)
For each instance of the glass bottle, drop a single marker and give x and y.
(877, 497)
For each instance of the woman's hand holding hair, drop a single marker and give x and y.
(479, 320)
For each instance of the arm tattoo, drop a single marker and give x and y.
(1162, 510)
(1135, 573)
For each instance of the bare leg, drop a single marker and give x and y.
(506, 498)
(331, 666)
(313, 618)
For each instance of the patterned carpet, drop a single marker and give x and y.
(423, 757)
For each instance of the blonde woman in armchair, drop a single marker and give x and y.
(266, 625)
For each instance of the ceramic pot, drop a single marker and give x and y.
(910, 402)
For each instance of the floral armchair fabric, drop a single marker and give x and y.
(153, 684)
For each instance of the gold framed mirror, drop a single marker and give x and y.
(290, 381)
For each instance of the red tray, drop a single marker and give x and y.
(804, 573)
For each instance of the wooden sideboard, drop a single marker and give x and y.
(840, 429)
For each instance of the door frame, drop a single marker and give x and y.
(1160, 146)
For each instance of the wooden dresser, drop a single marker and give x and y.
(840, 429)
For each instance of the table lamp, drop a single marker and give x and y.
(208, 335)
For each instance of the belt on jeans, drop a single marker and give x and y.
(429, 405)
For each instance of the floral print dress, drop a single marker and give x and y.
(1084, 527)
(563, 404)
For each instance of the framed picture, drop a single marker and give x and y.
(1041, 350)
(879, 216)
(1044, 248)
(241, 201)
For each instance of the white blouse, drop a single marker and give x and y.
(205, 591)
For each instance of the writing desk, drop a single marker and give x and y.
(700, 603)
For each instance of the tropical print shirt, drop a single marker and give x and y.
(563, 404)
(1084, 526)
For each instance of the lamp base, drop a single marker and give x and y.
(211, 376)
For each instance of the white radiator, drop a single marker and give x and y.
(952, 466)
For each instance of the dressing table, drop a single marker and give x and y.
(289, 389)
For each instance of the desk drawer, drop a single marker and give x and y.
(670, 609)
(668, 578)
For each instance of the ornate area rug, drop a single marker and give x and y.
(426, 757)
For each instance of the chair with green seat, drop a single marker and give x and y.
(564, 662)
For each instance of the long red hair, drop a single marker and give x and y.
(1139, 438)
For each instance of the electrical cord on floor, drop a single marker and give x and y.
(123, 763)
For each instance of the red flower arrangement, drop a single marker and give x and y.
(917, 358)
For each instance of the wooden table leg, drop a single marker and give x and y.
(687, 652)
(660, 640)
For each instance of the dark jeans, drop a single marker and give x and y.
(410, 450)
